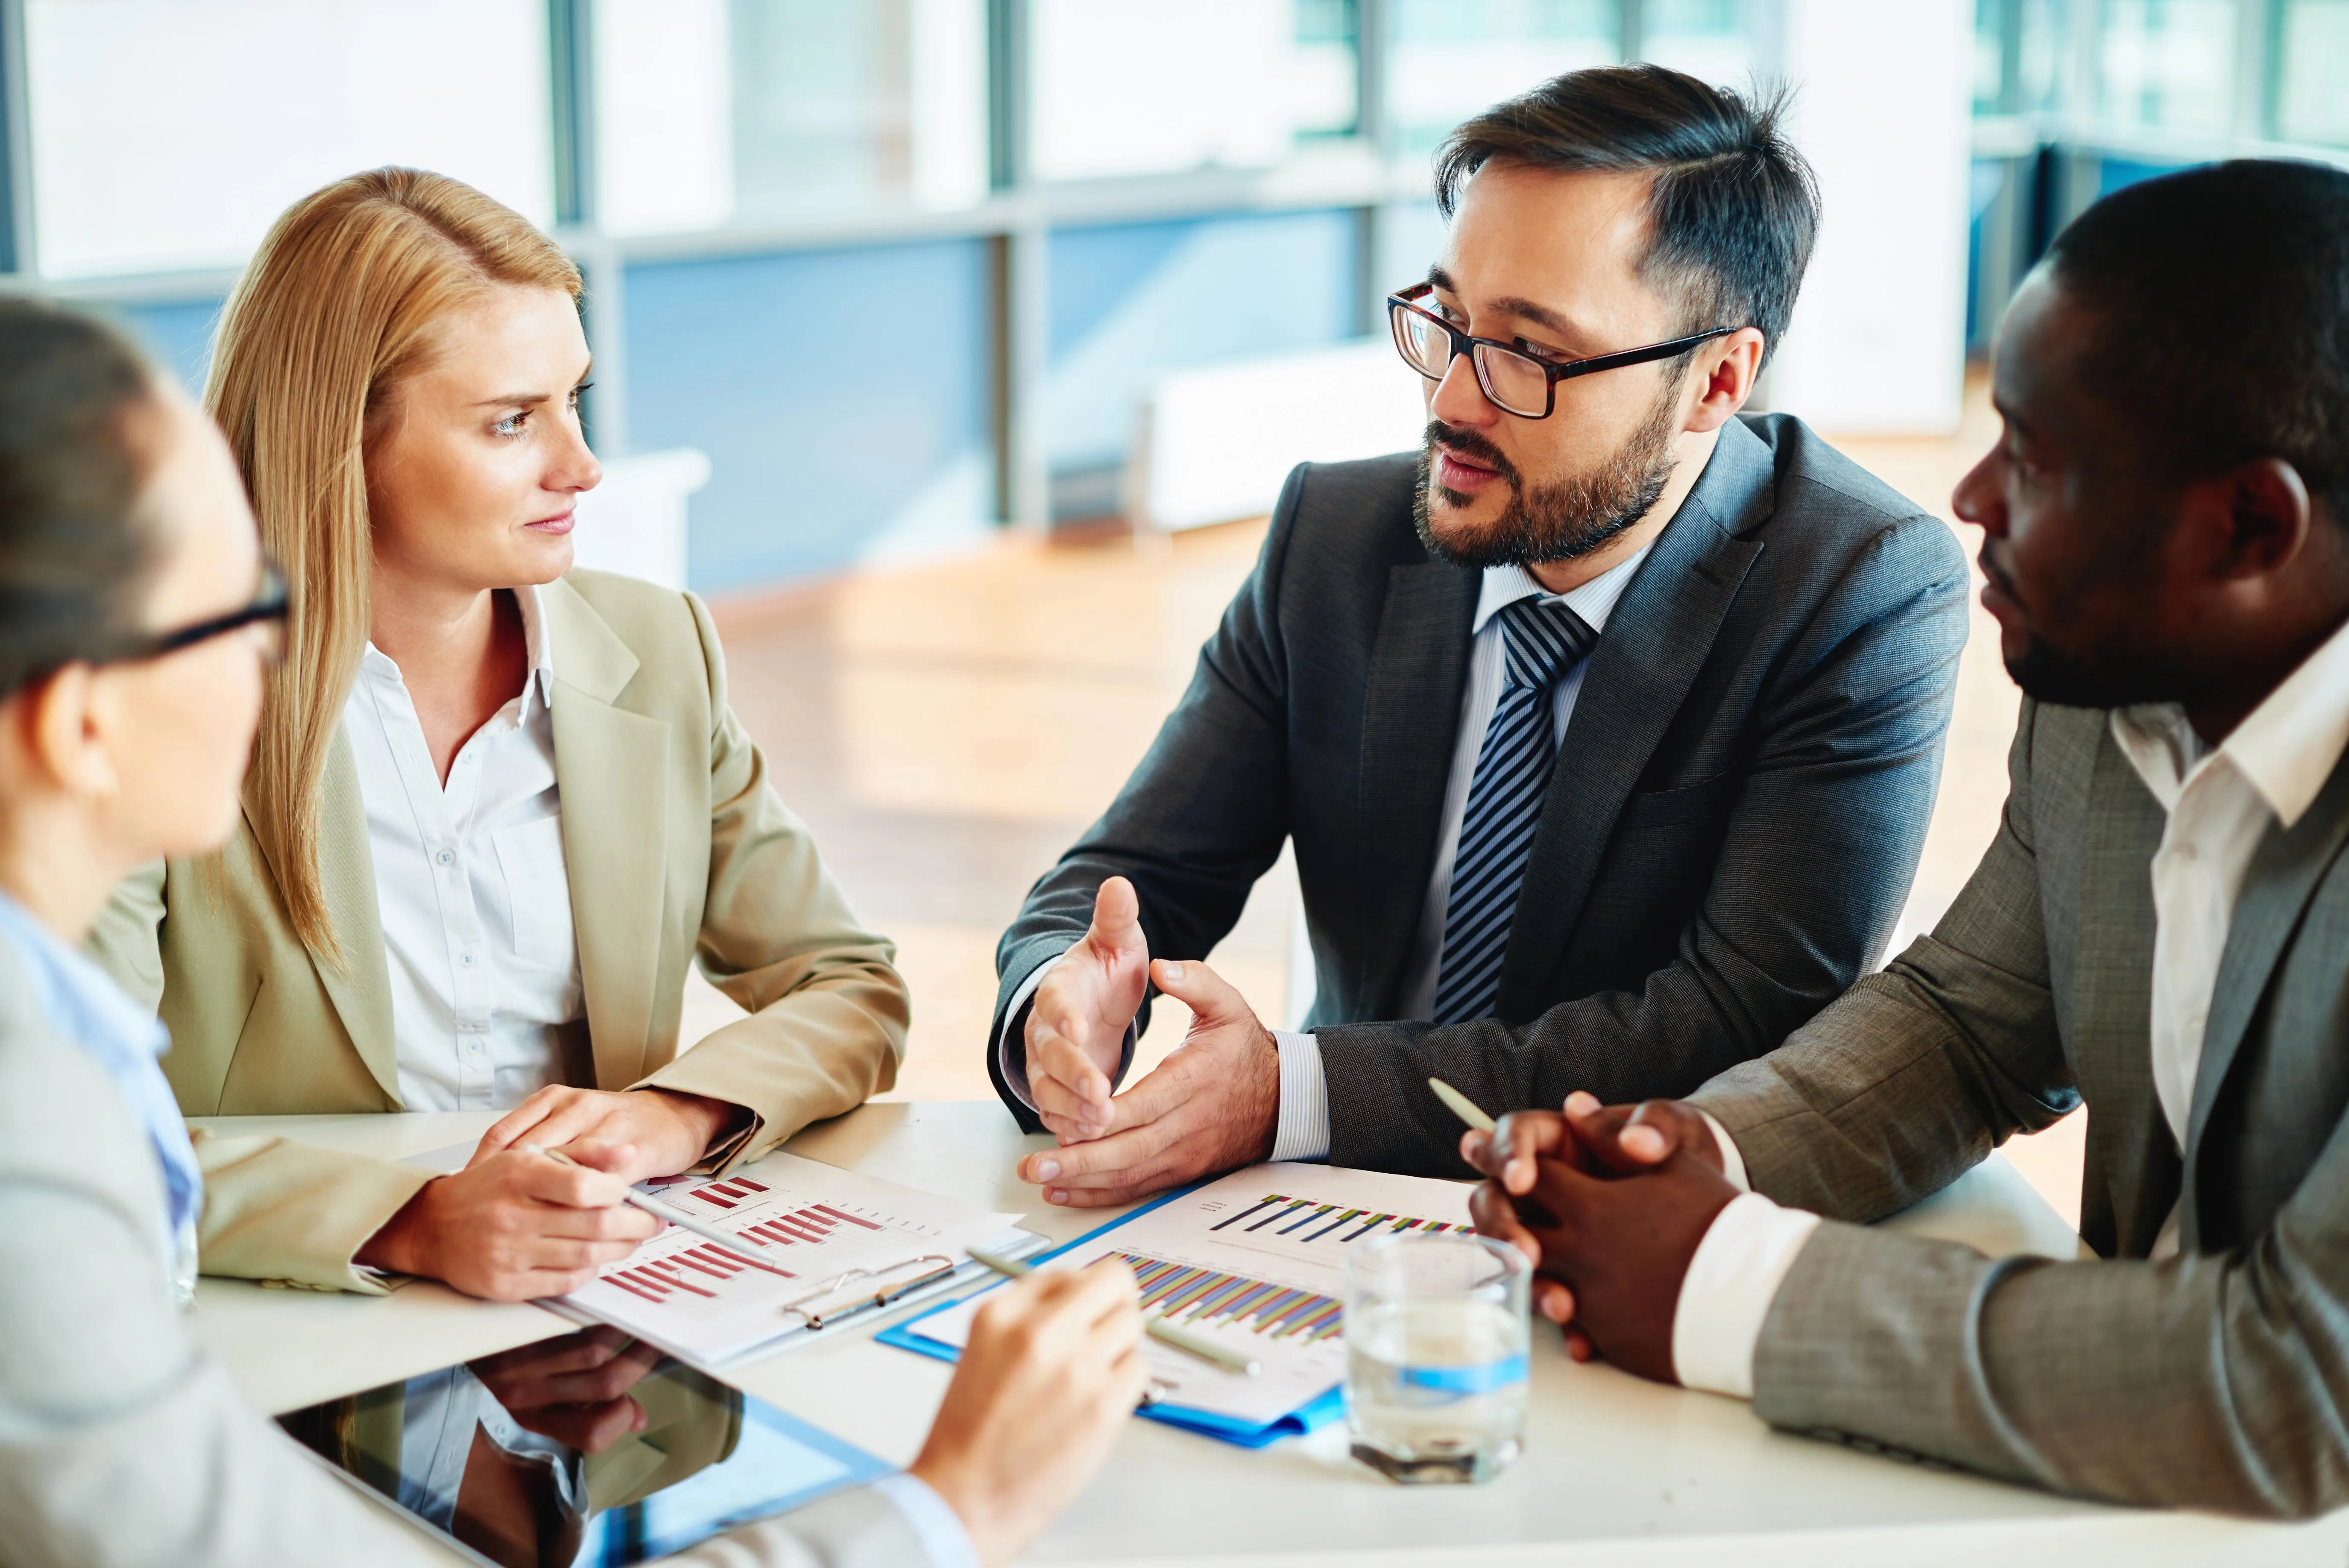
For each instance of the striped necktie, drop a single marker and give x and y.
(1540, 641)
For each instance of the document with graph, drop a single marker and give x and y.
(802, 1232)
(1255, 1260)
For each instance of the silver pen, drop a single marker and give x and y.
(734, 1244)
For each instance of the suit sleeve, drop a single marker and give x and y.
(1202, 817)
(1913, 1076)
(1814, 863)
(828, 1008)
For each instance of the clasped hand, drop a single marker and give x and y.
(1609, 1203)
(1213, 1106)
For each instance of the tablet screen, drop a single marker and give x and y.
(592, 1449)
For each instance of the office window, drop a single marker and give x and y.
(760, 111)
(2311, 99)
(2168, 64)
(1141, 87)
(169, 133)
(1450, 60)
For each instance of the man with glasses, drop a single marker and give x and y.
(1606, 727)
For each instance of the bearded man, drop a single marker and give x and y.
(1605, 728)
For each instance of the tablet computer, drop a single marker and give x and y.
(593, 1449)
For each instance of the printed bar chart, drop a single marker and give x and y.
(1303, 1220)
(1188, 1294)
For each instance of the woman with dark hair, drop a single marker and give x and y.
(137, 619)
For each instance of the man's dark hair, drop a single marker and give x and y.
(1732, 209)
(2220, 304)
(73, 551)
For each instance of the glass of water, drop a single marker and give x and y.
(1436, 1335)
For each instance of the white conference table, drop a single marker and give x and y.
(1616, 1471)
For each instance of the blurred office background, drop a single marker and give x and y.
(949, 346)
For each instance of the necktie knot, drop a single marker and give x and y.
(1544, 639)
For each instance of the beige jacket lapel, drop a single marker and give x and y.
(360, 990)
(609, 765)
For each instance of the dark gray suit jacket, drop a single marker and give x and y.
(1737, 810)
(2217, 1378)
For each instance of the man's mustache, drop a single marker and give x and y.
(1471, 446)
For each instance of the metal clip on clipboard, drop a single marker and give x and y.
(837, 1298)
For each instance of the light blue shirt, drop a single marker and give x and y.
(83, 1005)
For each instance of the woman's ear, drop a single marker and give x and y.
(66, 732)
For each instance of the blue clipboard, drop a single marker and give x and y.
(1319, 1411)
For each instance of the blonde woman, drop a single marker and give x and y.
(496, 807)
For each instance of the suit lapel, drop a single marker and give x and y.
(360, 991)
(2283, 876)
(610, 764)
(1655, 643)
(1411, 723)
(2112, 1008)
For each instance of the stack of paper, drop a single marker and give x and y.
(800, 1232)
(1257, 1260)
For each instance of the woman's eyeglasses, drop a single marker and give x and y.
(1513, 381)
(272, 603)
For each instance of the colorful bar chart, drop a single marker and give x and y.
(1188, 1294)
(1303, 1220)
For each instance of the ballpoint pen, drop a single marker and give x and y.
(1461, 1105)
(732, 1244)
(1157, 1328)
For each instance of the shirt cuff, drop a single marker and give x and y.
(1732, 1164)
(1304, 1127)
(945, 1542)
(1731, 1281)
(1014, 1064)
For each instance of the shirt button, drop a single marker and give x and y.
(444, 857)
(467, 961)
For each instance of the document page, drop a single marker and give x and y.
(1256, 1260)
(801, 1230)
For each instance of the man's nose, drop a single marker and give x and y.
(1978, 498)
(1458, 399)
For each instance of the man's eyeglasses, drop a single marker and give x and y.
(1513, 381)
(272, 603)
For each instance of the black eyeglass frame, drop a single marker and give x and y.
(1555, 370)
(272, 601)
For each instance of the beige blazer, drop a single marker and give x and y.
(677, 847)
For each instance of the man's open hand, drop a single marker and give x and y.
(1618, 1249)
(1213, 1106)
(1078, 1018)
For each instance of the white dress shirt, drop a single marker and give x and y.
(486, 1002)
(2219, 803)
(1304, 1126)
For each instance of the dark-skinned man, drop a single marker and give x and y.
(2161, 930)
(1612, 712)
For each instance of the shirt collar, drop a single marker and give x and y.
(1594, 601)
(79, 999)
(2285, 748)
(538, 652)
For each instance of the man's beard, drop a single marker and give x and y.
(2101, 679)
(1559, 522)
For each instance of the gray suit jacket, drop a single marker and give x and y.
(1736, 813)
(2217, 1378)
(120, 1444)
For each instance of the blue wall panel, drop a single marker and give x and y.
(179, 336)
(1132, 301)
(841, 395)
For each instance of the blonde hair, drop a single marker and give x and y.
(339, 304)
